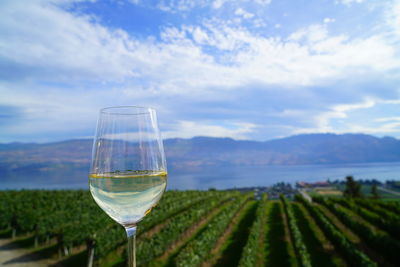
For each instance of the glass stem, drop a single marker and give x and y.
(131, 233)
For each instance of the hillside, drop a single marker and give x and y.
(22, 159)
(204, 228)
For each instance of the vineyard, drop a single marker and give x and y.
(208, 228)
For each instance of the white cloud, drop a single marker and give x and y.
(50, 113)
(181, 5)
(349, 2)
(218, 3)
(343, 108)
(188, 129)
(386, 119)
(43, 43)
(308, 56)
(200, 36)
(392, 16)
(329, 20)
(343, 113)
(175, 6)
(312, 33)
(323, 120)
(74, 47)
(263, 2)
(243, 13)
(42, 40)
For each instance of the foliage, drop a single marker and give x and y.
(393, 206)
(387, 222)
(198, 250)
(320, 248)
(378, 240)
(300, 248)
(353, 189)
(253, 249)
(151, 247)
(376, 206)
(73, 219)
(374, 192)
(345, 247)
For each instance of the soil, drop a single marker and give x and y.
(13, 256)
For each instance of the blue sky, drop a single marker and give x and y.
(244, 69)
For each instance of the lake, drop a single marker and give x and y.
(222, 177)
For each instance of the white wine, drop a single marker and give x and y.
(128, 196)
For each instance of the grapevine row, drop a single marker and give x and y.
(150, 248)
(322, 252)
(377, 240)
(198, 249)
(300, 248)
(393, 206)
(384, 222)
(347, 249)
(72, 218)
(374, 206)
(253, 250)
(107, 240)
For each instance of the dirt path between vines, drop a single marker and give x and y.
(13, 256)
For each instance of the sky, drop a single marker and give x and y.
(256, 70)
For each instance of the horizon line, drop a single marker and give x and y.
(204, 136)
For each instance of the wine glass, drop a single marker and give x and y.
(128, 173)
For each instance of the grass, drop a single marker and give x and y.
(366, 191)
(327, 191)
(391, 199)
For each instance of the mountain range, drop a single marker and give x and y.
(185, 154)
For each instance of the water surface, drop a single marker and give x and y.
(221, 177)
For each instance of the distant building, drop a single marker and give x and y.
(313, 185)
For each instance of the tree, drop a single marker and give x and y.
(353, 188)
(374, 192)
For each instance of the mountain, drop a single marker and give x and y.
(74, 155)
(294, 150)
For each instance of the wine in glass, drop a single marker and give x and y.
(128, 172)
